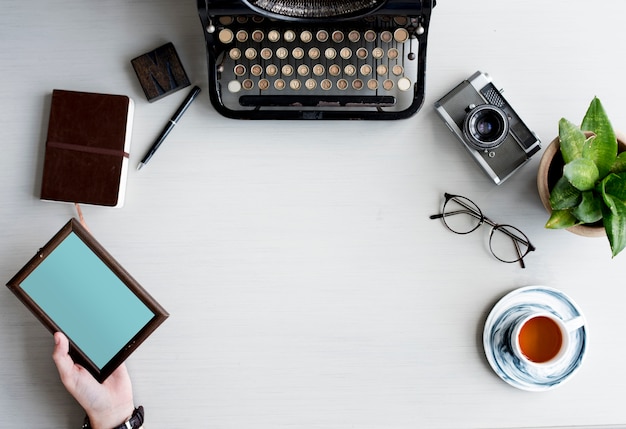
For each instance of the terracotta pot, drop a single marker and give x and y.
(551, 169)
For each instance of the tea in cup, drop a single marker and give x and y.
(542, 338)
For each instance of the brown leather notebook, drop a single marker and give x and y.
(86, 154)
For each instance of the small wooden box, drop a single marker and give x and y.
(160, 72)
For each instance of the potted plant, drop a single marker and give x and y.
(582, 179)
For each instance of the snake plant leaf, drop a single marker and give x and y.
(619, 165)
(614, 219)
(564, 195)
(561, 219)
(571, 140)
(590, 208)
(603, 149)
(615, 185)
(582, 173)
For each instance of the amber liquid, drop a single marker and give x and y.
(540, 339)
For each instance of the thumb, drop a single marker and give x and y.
(60, 355)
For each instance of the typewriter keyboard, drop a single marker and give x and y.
(369, 63)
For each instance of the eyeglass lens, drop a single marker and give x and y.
(508, 243)
(461, 215)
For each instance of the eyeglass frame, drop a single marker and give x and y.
(482, 219)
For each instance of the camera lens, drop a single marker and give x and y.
(486, 127)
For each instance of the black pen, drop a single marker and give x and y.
(170, 125)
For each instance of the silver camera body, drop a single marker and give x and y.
(495, 136)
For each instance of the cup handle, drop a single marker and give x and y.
(574, 324)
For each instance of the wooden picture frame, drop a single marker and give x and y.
(75, 286)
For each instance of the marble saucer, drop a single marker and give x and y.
(497, 332)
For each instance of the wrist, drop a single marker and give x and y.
(134, 420)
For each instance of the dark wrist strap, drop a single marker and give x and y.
(135, 421)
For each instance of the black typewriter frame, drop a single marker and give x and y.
(237, 7)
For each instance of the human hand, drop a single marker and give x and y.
(108, 404)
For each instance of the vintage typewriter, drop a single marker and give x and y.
(316, 59)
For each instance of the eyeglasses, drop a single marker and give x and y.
(506, 243)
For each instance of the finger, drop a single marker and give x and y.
(61, 357)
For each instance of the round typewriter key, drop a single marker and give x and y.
(273, 36)
(258, 35)
(234, 54)
(257, 19)
(242, 19)
(334, 70)
(404, 84)
(306, 36)
(393, 53)
(271, 70)
(370, 36)
(345, 53)
(250, 53)
(326, 84)
(266, 53)
(381, 70)
(264, 84)
(303, 70)
(357, 84)
(378, 53)
(247, 84)
(330, 53)
(239, 70)
(282, 53)
(242, 36)
(397, 70)
(322, 36)
(386, 36)
(234, 86)
(342, 84)
(366, 70)
(225, 20)
(289, 36)
(295, 84)
(401, 35)
(354, 36)
(349, 70)
(400, 20)
(297, 53)
(372, 84)
(318, 70)
(287, 70)
(280, 84)
(314, 53)
(310, 84)
(388, 85)
(362, 53)
(256, 70)
(226, 36)
(337, 36)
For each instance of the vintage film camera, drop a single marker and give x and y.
(480, 117)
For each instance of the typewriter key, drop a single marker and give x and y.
(226, 36)
(282, 53)
(273, 36)
(242, 36)
(401, 20)
(372, 84)
(306, 36)
(310, 84)
(386, 36)
(303, 70)
(337, 36)
(366, 70)
(287, 70)
(234, 54)
(401, 35)
(393, 53)
(258, 35)
(247, 84)
(234, 86)
(264, 84)
(256, 70)
(354, 36)
(239, 70)
(398, 70)
(225, 20)
(257, 19)
(314, 53)
(349, 70)
(321, 36)
(381, 70)
(280, 84)
(295, 84)
(242, 19)
(289, 36)
(297, 53)
(361, 53)
(345, 53)
(326, 84)
(342, 84)
(266, 53)
(378, 53)
(271, 70)
(334, 70)
(318, 70)
(388, 84)
(357, 84)
(404, 84)
(370, 36)
(330, 53)
(250, 53)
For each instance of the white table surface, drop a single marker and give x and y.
(306, 285)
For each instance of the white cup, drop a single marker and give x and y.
(542, 338)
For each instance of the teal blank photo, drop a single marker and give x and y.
(74, 286)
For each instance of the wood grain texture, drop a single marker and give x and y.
(306, 285)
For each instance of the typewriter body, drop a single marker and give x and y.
(317, 59)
